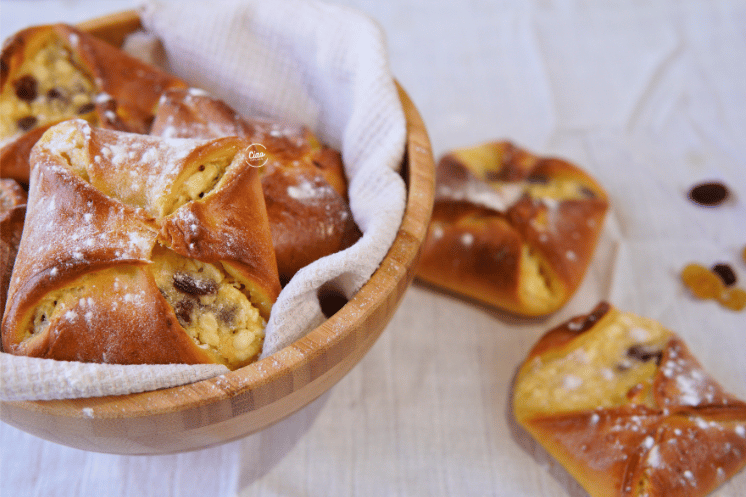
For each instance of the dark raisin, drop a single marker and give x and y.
(186, 284)
(201, 167)
(493, 176)
(584, 323)
(317, 164)
(227, 315)
(587, 192)
(4, 69)
(709, 194)
(183, 310)
(538, 179)
(644, 353)
(726, 273)
(86, 108)
(55, 94)
(26, 123)
(26, 88)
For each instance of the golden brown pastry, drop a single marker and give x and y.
(56, 72)
(12, 213)
(304, 184)
(142, 250)
(511, 229)
(624, 406)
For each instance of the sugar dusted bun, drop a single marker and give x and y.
(511, 229)
(304, 183)
(56, 72)
(623, 405)
(142, 250)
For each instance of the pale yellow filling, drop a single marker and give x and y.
(210, 305)
(535, 289)
(480, 159)
(66, 141)
(49, 309)
(558, 189)
(199, 183)
(53, 69)
(595, 370)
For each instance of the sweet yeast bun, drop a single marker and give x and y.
(141, 250)
(304, 183)
(511, 229)
(56, 72)
(12, 213)
(624, 406)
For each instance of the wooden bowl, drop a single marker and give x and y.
(218, 410)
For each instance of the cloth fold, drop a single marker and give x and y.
(308, 62)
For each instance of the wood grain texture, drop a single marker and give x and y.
(242, 402)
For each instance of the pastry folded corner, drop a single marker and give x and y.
(622, 404)
(56, 72)
(303, 181)
(511, 229)
(143, 250)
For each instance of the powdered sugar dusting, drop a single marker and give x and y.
(648, 442)
(499, 198)
(686, 382)
(307, 190)
(571, 382)
(150, 164)
(654, 457)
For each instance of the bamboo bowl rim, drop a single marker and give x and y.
(269, 387)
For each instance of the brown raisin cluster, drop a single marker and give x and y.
(718, 282)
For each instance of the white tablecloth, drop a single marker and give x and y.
(649, 99)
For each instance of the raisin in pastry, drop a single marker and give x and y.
(623, 405)
(304, 184)
(142, 250)
(56, 72)
(511, 229)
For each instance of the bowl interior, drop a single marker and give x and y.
(247, 400)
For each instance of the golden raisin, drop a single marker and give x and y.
(702, 282)
(733, 298)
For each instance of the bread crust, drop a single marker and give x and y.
(303, 181)
(511, 229)
(123, 95)
(673, 430)
(12, 214)
(101, 204)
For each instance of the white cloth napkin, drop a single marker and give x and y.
(318, 64)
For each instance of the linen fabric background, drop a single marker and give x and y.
(647, 97)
